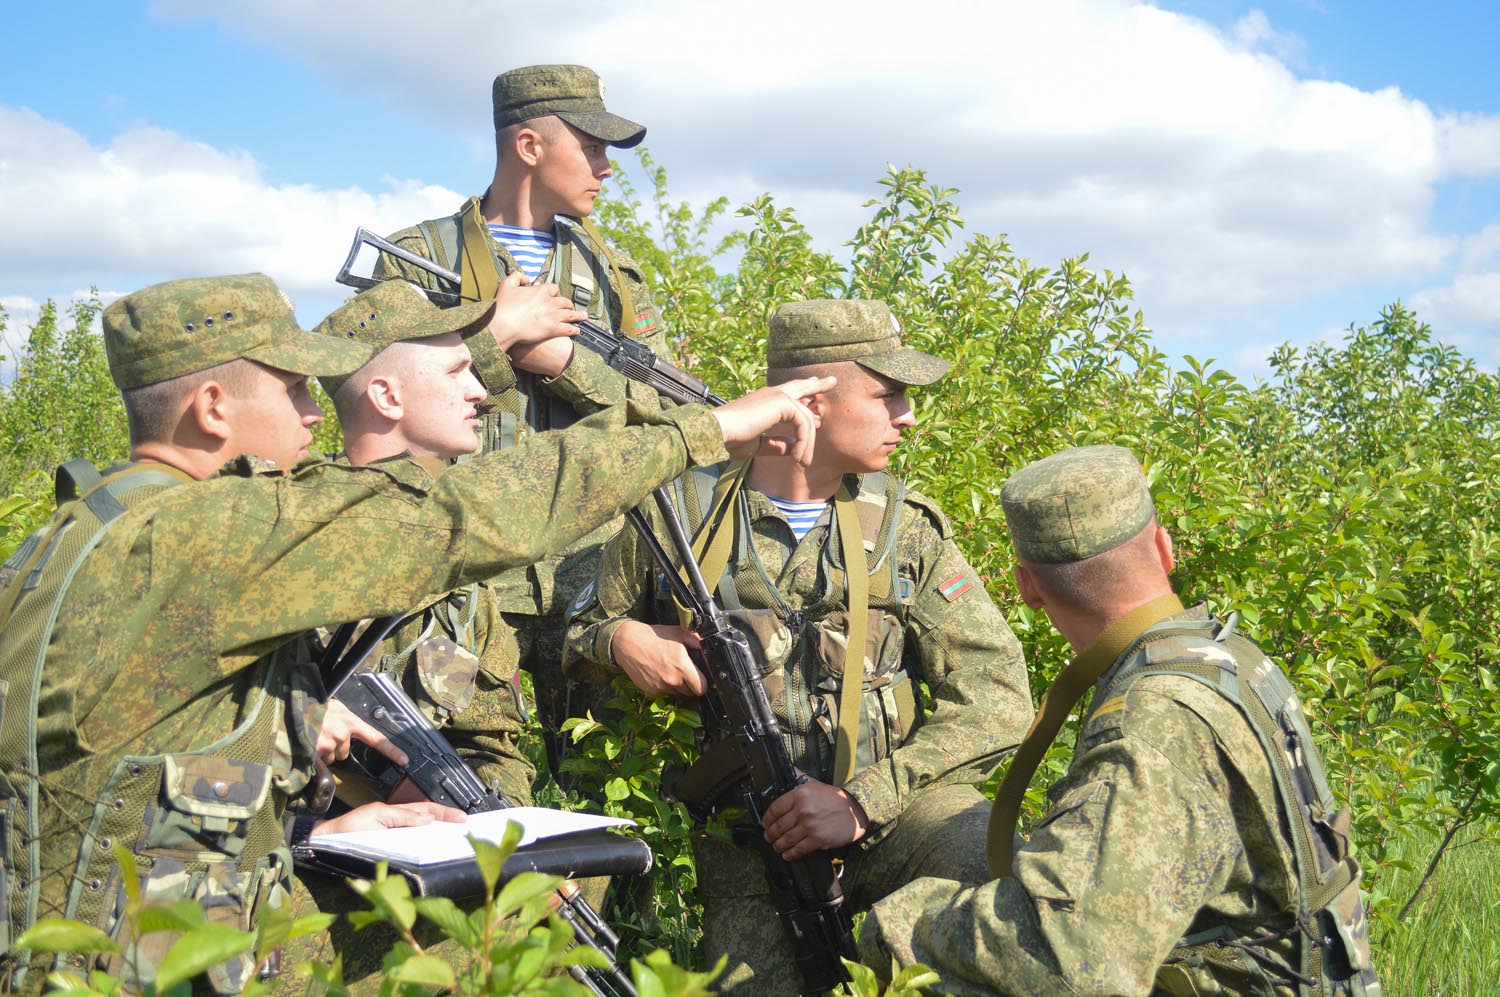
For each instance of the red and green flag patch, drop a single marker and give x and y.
(956, 586)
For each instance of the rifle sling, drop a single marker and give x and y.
(1081, 673)
(852, 547)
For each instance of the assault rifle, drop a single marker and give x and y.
(806, 891)
(630, 357)
(443, 777)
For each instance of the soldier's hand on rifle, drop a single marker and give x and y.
(533, 323)
(656, 659)
(341, 727)
(811, 817)
(372, 816)
(773, 421)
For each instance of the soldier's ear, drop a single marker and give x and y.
(1165, 552)
(208, 410)
(1026, 582)
(384, 395)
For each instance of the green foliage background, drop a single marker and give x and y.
(1346, 506)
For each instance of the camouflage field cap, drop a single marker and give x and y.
(182, 326)
(573, 93)
(814, 332)
(1076, 504)
(394, 311)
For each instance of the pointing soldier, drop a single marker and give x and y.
(154, 697)
(891, 769)
(1194, 846)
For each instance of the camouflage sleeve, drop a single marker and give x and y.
(388, 267)
(980, 706)
(621, 590)
(487, 734)
(394, 536)
(1138, 839)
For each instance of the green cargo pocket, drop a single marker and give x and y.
(205, 807)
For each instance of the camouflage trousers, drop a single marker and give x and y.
(942, 833)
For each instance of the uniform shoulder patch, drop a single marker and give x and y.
(957, 586)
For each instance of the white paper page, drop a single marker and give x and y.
(443, 841)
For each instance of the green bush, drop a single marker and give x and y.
(1346, 505)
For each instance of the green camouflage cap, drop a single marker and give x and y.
(573, 93)
(815, 332)
(1076, 504)
(394, 311)
(183, 326)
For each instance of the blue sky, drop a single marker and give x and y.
(1263, 172)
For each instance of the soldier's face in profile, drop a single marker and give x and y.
(439, 396)
(273, 419)
(571, 170)
(863, 417)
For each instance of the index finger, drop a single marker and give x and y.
(361, 730)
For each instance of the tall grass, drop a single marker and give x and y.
(1449, 945)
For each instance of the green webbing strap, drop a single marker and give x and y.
(1081, 673)
(715, 540)
(852, 546)
(481, 280)
(628, 316)
(95, 485)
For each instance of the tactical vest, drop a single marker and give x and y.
(1331, 929)
(802, 651)
(203, 825)
(580, 266)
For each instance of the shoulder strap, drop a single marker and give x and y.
(476, 260)
(629, 318)
(851, 688)
(1065, 691)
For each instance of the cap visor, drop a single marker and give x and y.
(313, 354)
(610, 128)
(468, 318)
(908, 366)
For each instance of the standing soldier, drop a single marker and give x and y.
(891, 768)
(528, 242)
(1194, 846)
(155, 698)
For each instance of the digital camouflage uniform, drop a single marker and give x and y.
(919, 759)
(1165, 863)
(456, 658)
(600, 280)
(174, 711)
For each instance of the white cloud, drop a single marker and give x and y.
(1466, 310)
(1191, 158)
(152, 205)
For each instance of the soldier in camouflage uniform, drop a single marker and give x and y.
(173, 713)
(551, 133)
(456, 657)
(1193, 846)
(891, 789)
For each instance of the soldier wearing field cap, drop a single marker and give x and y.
(528, 242)
(155, 696)
(891, 768)
(1194, 846)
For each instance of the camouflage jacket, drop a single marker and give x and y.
(180, 629)
(939, 625)
(1167, 824)
(521, 403)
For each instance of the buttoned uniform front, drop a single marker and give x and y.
(916, 772)
(1167, 826)
(176, 631)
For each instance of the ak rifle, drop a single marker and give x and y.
(630, 357)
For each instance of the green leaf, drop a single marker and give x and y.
(447, 916)
(426, 970)
(198, 950)
(55, 934)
